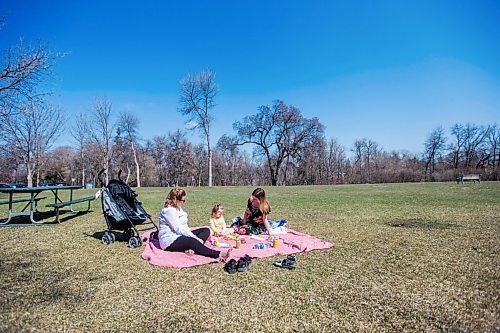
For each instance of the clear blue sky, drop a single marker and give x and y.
(390, 71)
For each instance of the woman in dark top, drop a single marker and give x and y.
(255, 218)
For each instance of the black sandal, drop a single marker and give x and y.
(244, 263)
(231, 266)
(288, 262)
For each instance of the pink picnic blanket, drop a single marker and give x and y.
(291, 242)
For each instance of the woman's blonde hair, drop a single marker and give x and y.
(174, 196)
(217, 207)
(264, 205)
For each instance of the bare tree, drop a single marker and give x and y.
(366, 153)
(22, 70)
(199, 158)
(59, 164)
(102, 131)
(456, 147)
(336, 162)
(357, 170)
(494, 144)
(157, 149)
(371, 149)
(179, 157)
(9, 164)
(80, 132)
(93, 160)
(474, 138)
(434, 147)
(230, 156)
(29, 134)
(128, 123)
(197, 100)
(312, 167)
(278, 132)
(357, 150)
(122, 154)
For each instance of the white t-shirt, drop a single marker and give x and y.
(173, 223)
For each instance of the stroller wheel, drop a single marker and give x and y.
(129, 233)
(134, 242)
(107, 238)
(113, 238)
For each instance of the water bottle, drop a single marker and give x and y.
(262, 246)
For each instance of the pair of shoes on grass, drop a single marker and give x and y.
(288, 262)
(242, 265)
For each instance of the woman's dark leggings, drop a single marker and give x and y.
(184, 243)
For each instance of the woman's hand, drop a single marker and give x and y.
(246, 216)
(266, 225)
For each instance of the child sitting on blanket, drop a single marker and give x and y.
(217, 223)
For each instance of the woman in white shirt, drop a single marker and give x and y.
(175, 234)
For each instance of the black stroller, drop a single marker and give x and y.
(122, 211)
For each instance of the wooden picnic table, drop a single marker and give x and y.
(32, 202)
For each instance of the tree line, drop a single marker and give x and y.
(287, 149)
(277, 145)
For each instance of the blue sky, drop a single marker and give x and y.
(390, 71)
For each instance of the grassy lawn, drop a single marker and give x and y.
(408, 257)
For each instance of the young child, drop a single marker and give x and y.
(217, 223)
(255, 219)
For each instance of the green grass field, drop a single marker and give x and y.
(408, 257)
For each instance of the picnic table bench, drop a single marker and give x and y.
(21, 200)
(58, 205)
(464, 178)
(31, 203)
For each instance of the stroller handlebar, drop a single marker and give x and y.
(101, 180)
(99, 176)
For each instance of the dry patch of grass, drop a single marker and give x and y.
(415, 223)
(409, 257)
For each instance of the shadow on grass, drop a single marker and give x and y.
(416, 223)
(48, 218)
(119, 236)
(28, 283)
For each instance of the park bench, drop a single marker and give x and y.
(70, 203)
(464, 178)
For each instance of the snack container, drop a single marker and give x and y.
(238, 243)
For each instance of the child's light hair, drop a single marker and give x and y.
(217, 207)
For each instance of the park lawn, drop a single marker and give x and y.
(408, 257)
